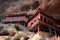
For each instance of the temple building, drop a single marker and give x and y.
(15, 18)
(43, 22)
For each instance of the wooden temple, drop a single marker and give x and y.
(44, 22)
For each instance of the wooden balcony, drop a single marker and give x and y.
(35, 25)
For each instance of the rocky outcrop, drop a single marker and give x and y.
(5, 37)
(7, 29)
(51, 7)
(23, 35)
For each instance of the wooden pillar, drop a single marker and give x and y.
(38, 29)
(39, 24)
(49, 30)
(56, 38)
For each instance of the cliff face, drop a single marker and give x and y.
(51, 7)
(16, 7)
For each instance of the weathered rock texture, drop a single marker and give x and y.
(51, 7)
(7, 29)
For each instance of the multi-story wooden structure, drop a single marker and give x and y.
(16, 18)
(43, 21)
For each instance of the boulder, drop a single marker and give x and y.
(4, 37)
(7, 29)
(23, 35)
(36, 37)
